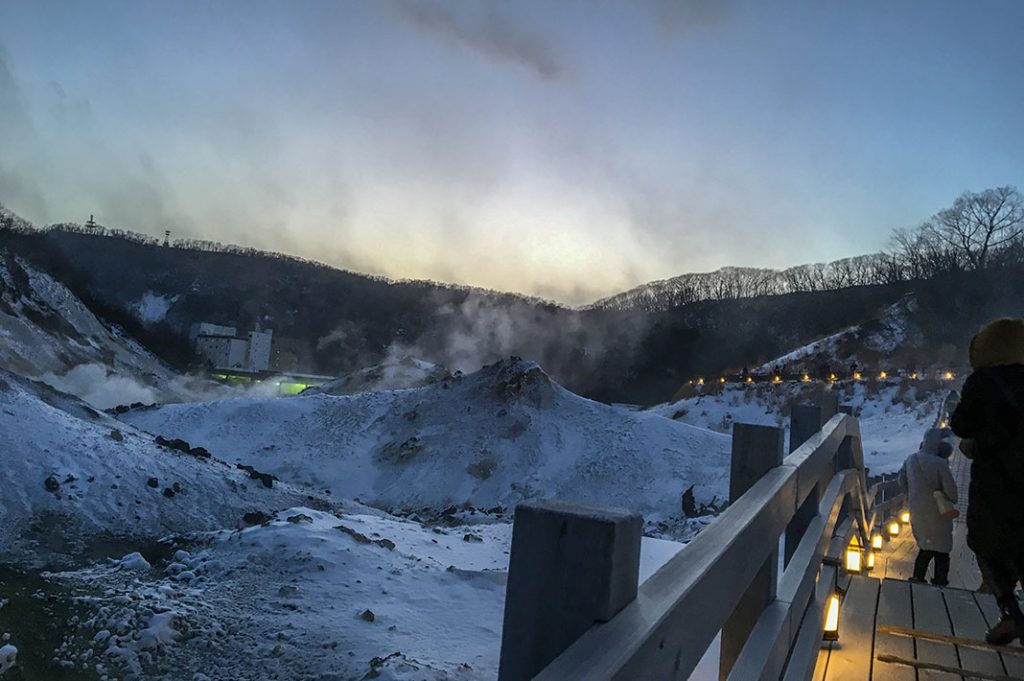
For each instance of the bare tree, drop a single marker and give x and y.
(978, 224)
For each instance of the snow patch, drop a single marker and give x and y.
(152, 308)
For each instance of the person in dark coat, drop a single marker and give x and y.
(990, 419)
(923, 474)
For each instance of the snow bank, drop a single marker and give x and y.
(893, 414)
(492, 438)
(8, 657)
(69, 472)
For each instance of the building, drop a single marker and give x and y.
(222, 348)
(259, 350)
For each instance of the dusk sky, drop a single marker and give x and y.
(563, 149)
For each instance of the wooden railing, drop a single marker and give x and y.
(729, 579)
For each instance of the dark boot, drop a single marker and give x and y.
(924, 558)
(1009, 628)
(941, 570)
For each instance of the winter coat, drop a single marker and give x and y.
(991, 415)
(924, 473)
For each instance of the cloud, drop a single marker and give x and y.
(678, 16)
(491, 35)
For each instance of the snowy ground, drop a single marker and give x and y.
(894, 414)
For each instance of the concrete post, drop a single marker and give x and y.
(571, 566)
(755, 451)
(804, 422)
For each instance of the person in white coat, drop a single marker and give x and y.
(923, 474)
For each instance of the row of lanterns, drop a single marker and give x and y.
(857, 561)
(807, 378)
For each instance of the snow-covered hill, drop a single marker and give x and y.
(877, 342)
(392, 374)
(491, 438)
(47, 333)
(69, 474)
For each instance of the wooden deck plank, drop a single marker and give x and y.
(990, 611)
(894, 609)
(851, 656)
(821, 668)
(930, 615)
(969, 623)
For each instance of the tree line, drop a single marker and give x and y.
(981, 231)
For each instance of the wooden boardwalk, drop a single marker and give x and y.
(893, 630)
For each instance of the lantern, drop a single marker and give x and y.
(700, 381)
(914, 375)
(831, 377)
(870, 564)
(905, 517)
(749, 379)
(832, 618)
(856, 375)
(853, 558)
(722, 379)
(894, 528)
(776, 379)
(948, 375)
(876, 541)
(882, 374)
(805, 378)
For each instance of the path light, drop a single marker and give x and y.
(943, 425)
(749, 379)
(870, 565)
(805, 378)
(948, 375)
(832, 617)
(894, 528)
(856, 375)
(882, 374)
(722, 379)
(776, 379)
(831, 377)
(876, 541)
(853, 558)
(905, 517)
(913, 375)
(700, 381)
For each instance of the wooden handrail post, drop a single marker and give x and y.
(804, 421)
(570, 566)
(755, 451)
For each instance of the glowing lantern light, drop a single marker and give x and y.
(700, 381)
(853, 558)
(894, 528)
(831, 377)
(722, 379)
(944, 425)
(805, 378)
(870, 565)
(749, 379)
(832, 618)
(948, 375)
(776, 379)
(856, 375)
(905, 517)
(913, 375)
(882, 374)
(876, 541)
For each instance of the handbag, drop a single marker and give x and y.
(946, 508)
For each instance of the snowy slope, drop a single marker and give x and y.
(491, 438)
(866, 343)
(392, 374)
(69, 473)
(894, 414)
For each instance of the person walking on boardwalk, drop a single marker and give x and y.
(924, 475)
(990, 419)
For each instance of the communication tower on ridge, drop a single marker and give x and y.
(91, 224)
(167, 237)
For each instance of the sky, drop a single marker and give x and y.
(567, 150)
